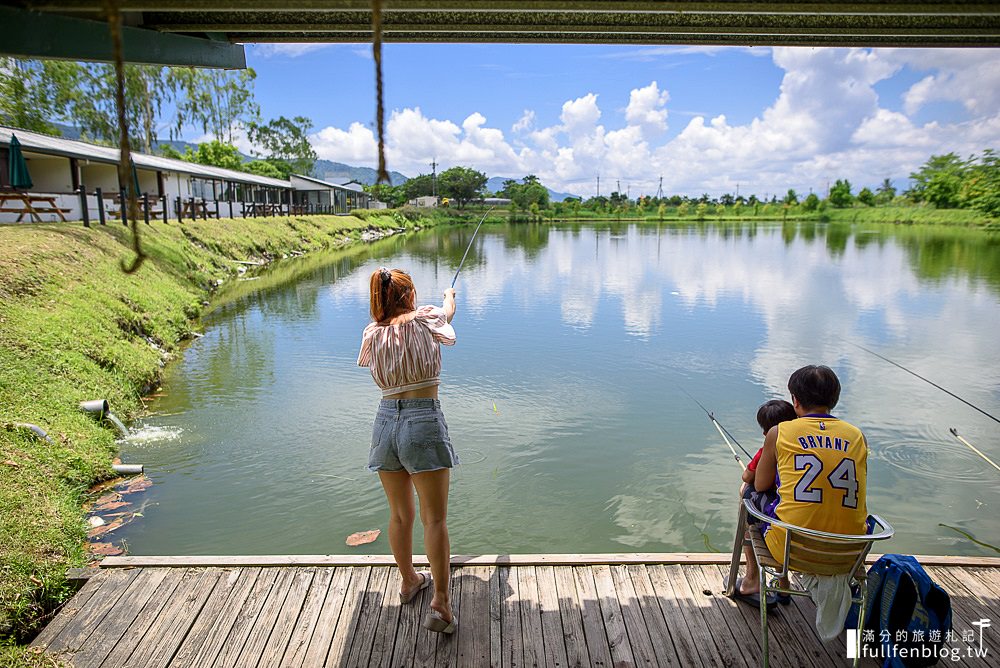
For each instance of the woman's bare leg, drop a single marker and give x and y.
(432, 490)
(402, 511)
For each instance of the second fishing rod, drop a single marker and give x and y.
(723, 432)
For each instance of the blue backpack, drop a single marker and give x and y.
(903, 598)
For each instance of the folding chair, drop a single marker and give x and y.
(806, 551)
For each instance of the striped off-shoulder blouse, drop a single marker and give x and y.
(407, 356)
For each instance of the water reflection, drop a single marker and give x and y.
(575, 346)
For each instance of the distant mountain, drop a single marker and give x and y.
(338, 172)
(496, 183)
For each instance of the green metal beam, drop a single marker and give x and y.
(35, 35)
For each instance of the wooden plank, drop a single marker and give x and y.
(340, 642)
(329, 617)
(990, 577)
(167, 631)
(242, 625)
(372, 606)
(552, 628)
(728, 619)
(110, 630)
(69, 612)
(281, 631)
(611, 612)
(210, 631)
(694, 643)
(801, 615)
(533, 642)
(425, 644)
(593, 622)
(410, 618)
(420, 560)
(496, 617)
(91, 613)
(447, 645)
(700, 603)
(388, 623)
(264, 620)
(786, 643)
(660, 635)
(966, 607)
(145, 619)
(510, 618)
(574, 637)
(81, 575)
(474, 638)
(308, 619)
(632, 618)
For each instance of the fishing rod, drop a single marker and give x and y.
(469, 247)
(913, 373)
(723, 432)
(954, 432)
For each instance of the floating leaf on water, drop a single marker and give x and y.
(104, 549)
(495, 408)
(137, 515)
(137, 484)
(363, 537)
(110, 506)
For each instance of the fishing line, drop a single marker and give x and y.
(722, 431)
(913, 373)
(469, 247)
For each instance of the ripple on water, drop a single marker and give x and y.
(940, 460)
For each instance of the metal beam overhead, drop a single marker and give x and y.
(905, 23)
(35, 35)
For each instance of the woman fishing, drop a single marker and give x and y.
(410, 446)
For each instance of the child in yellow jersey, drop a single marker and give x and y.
(821, 466)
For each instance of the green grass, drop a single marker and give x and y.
(74, 327)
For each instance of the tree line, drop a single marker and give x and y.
(37, 94)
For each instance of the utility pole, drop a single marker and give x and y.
(598, 185)
(619, 188)
(434, 177)
(659, 190)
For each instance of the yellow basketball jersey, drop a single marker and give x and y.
(822, 472)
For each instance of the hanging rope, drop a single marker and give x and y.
(383, 175)
(125, 161)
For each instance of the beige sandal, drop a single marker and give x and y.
(433, 621)
(406, 598)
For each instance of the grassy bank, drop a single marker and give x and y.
(900, 215)
(74, 327)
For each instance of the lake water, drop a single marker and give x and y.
(565, 394)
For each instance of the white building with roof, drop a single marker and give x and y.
(72, 171)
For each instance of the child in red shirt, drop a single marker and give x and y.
(768, 415)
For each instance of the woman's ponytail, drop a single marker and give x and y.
(391, 293)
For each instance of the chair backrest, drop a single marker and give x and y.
(825, 553)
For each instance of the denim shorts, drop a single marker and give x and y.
(410, 435)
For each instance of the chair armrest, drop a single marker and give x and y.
(886, 530)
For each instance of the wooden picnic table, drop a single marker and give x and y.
(29, 201)
(262, 209)
(154, 212)
(195, 209)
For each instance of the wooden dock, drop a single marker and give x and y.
(516, 610)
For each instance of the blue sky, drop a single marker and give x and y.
(706, 118)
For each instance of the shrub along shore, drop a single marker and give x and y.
(74, 327)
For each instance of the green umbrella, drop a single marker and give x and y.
(18, 167)
(135, 178)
